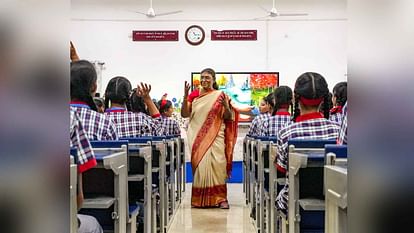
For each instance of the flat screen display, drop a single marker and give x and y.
(246, 89)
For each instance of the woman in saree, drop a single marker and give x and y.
(211, 135)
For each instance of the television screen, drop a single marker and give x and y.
(246, 89)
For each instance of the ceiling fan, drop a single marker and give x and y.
(151, 13)
(275, 13)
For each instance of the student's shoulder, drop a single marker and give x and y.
(140, 116)
(332, 122)
(288, 128)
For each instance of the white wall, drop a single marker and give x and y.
(101, 30)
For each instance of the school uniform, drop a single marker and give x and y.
(254, 129)
(131, 124)
(271, 126)
(78, 139)
(342, 138)
(335, 114)
(85, 160)
(308, 126)
(96, 125)
(170, 126)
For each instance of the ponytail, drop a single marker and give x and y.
(106, 103)
(325, 106)
(296, 110)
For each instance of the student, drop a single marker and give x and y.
(85, 160)
(342, 138)
(264, 115)
(339, 99)
(280, 115)
(82, 88)
(130, 124)
(137, 103)
(311, 93)
(270, 100)
(170, 125)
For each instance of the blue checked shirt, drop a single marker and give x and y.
(254, 129)
(97, 126)
(336, 117)
(131, 124)
(342, 139)
(319, 128)
(85, 156)
(271, 126)
(170, 126)
(316, 128)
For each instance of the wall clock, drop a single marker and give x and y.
(195, 35)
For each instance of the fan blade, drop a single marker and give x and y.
(168, 13)
(135, 12)
(264, 17)
(142, 13)
(293, 14)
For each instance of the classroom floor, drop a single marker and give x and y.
(234, 220)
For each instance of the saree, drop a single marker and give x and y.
(211, 140)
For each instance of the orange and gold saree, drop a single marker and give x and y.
(211, 140)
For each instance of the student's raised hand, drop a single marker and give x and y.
(143, 90)
(73, 54)
(186, 88)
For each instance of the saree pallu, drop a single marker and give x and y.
(211, 140)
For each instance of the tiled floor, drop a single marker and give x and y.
(234, 220)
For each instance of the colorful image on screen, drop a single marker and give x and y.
(245, 89)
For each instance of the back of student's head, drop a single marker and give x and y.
(340, 93)
(269, 99)
(118, 91)
(311, 89)
(136, 103)
(164, 105)
(282, 98)
(83, 82)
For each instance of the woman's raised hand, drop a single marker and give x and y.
(225, 101)
(186, 88)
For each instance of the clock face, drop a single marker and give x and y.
(194, 35)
